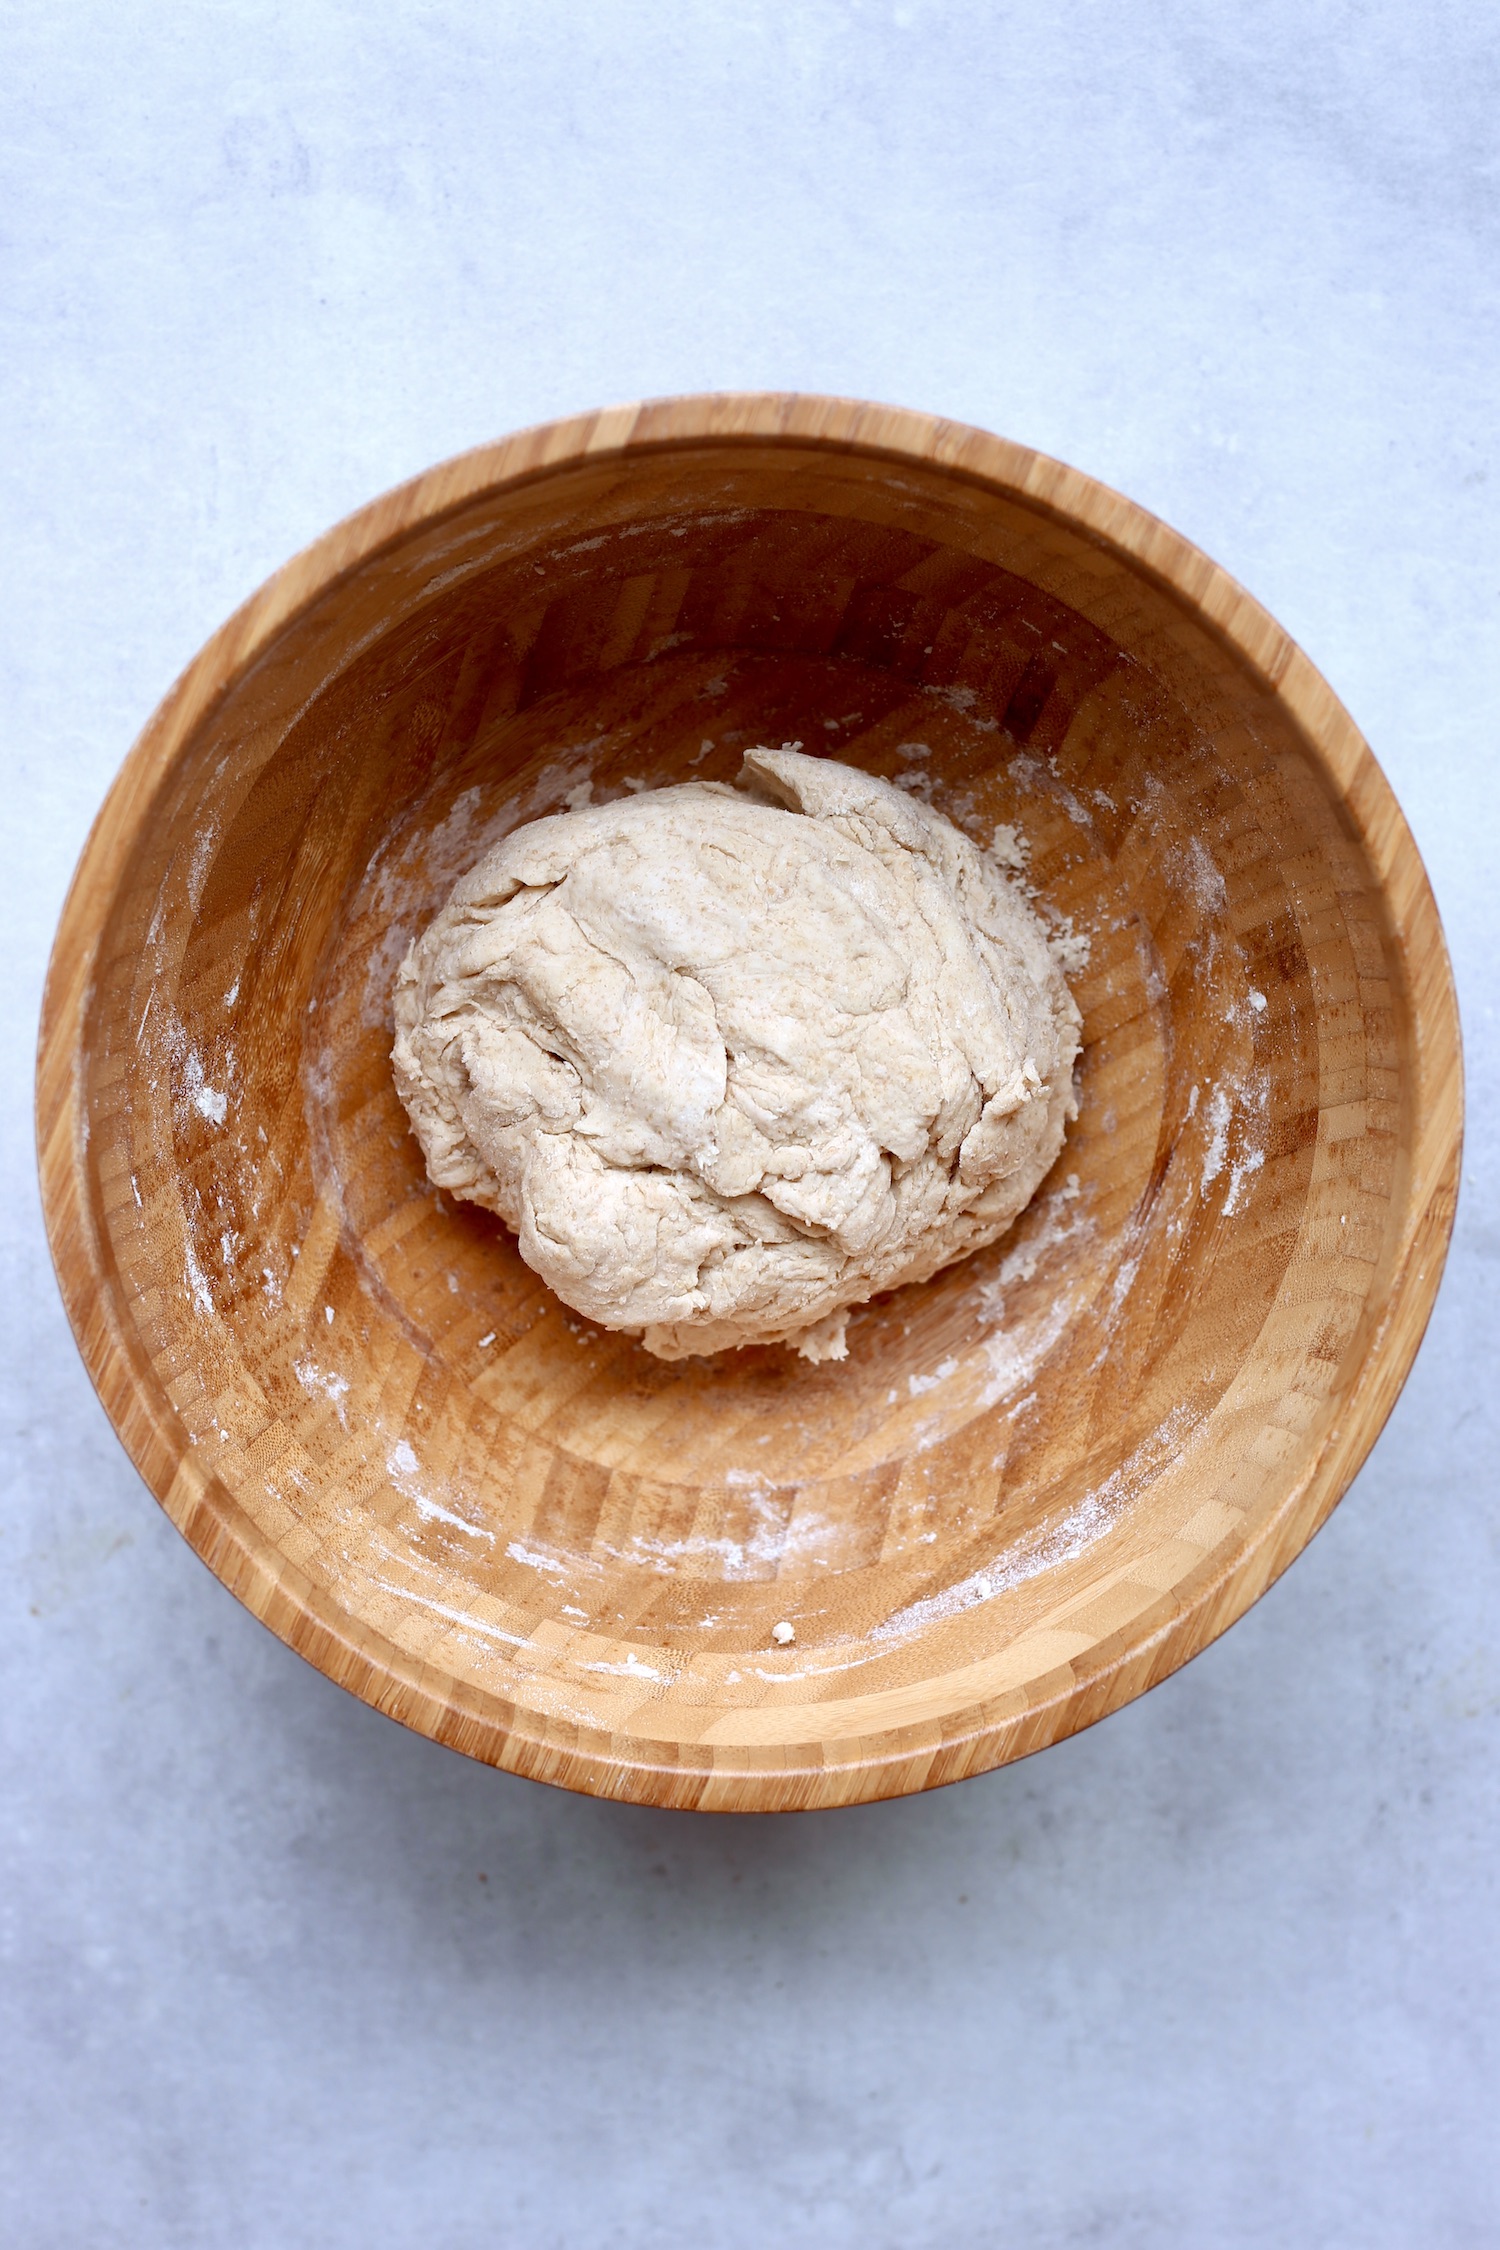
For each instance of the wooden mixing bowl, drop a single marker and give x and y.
(1042, 1480)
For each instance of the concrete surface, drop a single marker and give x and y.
(1221, 1973)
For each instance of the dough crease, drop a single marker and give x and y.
(731, 1060)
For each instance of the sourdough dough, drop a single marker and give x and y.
(730, 1060)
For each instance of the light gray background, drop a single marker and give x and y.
(1220, 1973)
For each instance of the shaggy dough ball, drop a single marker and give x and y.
(732, 1060)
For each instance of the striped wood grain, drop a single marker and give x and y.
(1042, 1480)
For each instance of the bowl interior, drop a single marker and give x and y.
(525, 1533)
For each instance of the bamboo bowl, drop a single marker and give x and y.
(1043, 1479)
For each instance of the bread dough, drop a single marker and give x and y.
(730, 1060)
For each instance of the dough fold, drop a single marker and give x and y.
(731, 1060)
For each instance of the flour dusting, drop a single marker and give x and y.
(402, 1467)
(1047, 1549)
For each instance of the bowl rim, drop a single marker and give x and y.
(431, 1702)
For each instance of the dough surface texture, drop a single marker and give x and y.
(730, 1060)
